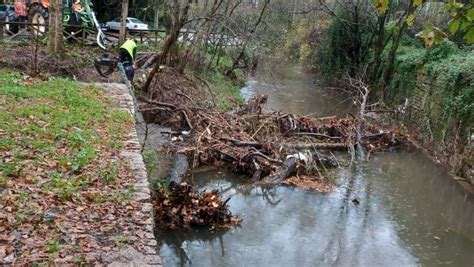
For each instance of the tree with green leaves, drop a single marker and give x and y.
(461, 23)
(462, 20)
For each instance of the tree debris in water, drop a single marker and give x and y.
(182, 207)
(268, 147)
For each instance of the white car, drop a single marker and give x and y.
(133, 24)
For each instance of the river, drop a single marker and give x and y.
(409, 211)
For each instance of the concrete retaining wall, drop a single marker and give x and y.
(452, 145)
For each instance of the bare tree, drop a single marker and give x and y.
(55, 34)
(251, 32)
(123, 22)
(179, 16)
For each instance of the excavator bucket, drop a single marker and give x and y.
(105, 66)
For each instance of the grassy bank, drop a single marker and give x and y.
(438, 84)
(75, 62)
(60, 172)
(225, 89)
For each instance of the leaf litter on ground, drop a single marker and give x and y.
(64, 188)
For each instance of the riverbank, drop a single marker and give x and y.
(433, 94)
(68, 181)
(425, 85)
(74, 63)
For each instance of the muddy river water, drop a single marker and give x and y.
(410, 211)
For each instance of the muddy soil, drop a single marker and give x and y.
(75, 63)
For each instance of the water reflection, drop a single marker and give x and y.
(394, 223)
(285, 94)
(177, 243)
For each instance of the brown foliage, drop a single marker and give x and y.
(182, 206)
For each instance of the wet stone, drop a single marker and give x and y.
(139, 196)
(152, 243)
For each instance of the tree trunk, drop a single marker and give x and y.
(123, 22)
(287, 169)
(389, 67)
(315, 145)
(379, 47)
(178, 19)
(55, 34)
(236, 64)
(357, 37)
(156, 18)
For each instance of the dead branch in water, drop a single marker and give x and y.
(363, 91)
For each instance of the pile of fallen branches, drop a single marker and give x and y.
(170, 98)
(182, 207)
(268, 147)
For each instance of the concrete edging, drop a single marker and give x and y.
(129, 256)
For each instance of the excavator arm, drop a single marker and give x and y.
(100, 39)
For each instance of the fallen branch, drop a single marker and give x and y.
(315, 145)
(149, 61)
(290, 165)
(257, 143)
(288, 169)
(187, 119)
(260, 154)
(186, 96)
(318, 135)
(183, 206)
(149, 101)
(236, 142)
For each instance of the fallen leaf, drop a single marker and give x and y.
(10, 258)
(3, 251)
(80, 208)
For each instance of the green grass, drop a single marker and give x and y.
(57, 132)
(59, 154)
(153, 165)
(226, 91)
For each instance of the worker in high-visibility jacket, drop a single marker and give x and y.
(128, 52)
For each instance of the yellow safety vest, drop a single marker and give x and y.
(129, 45)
